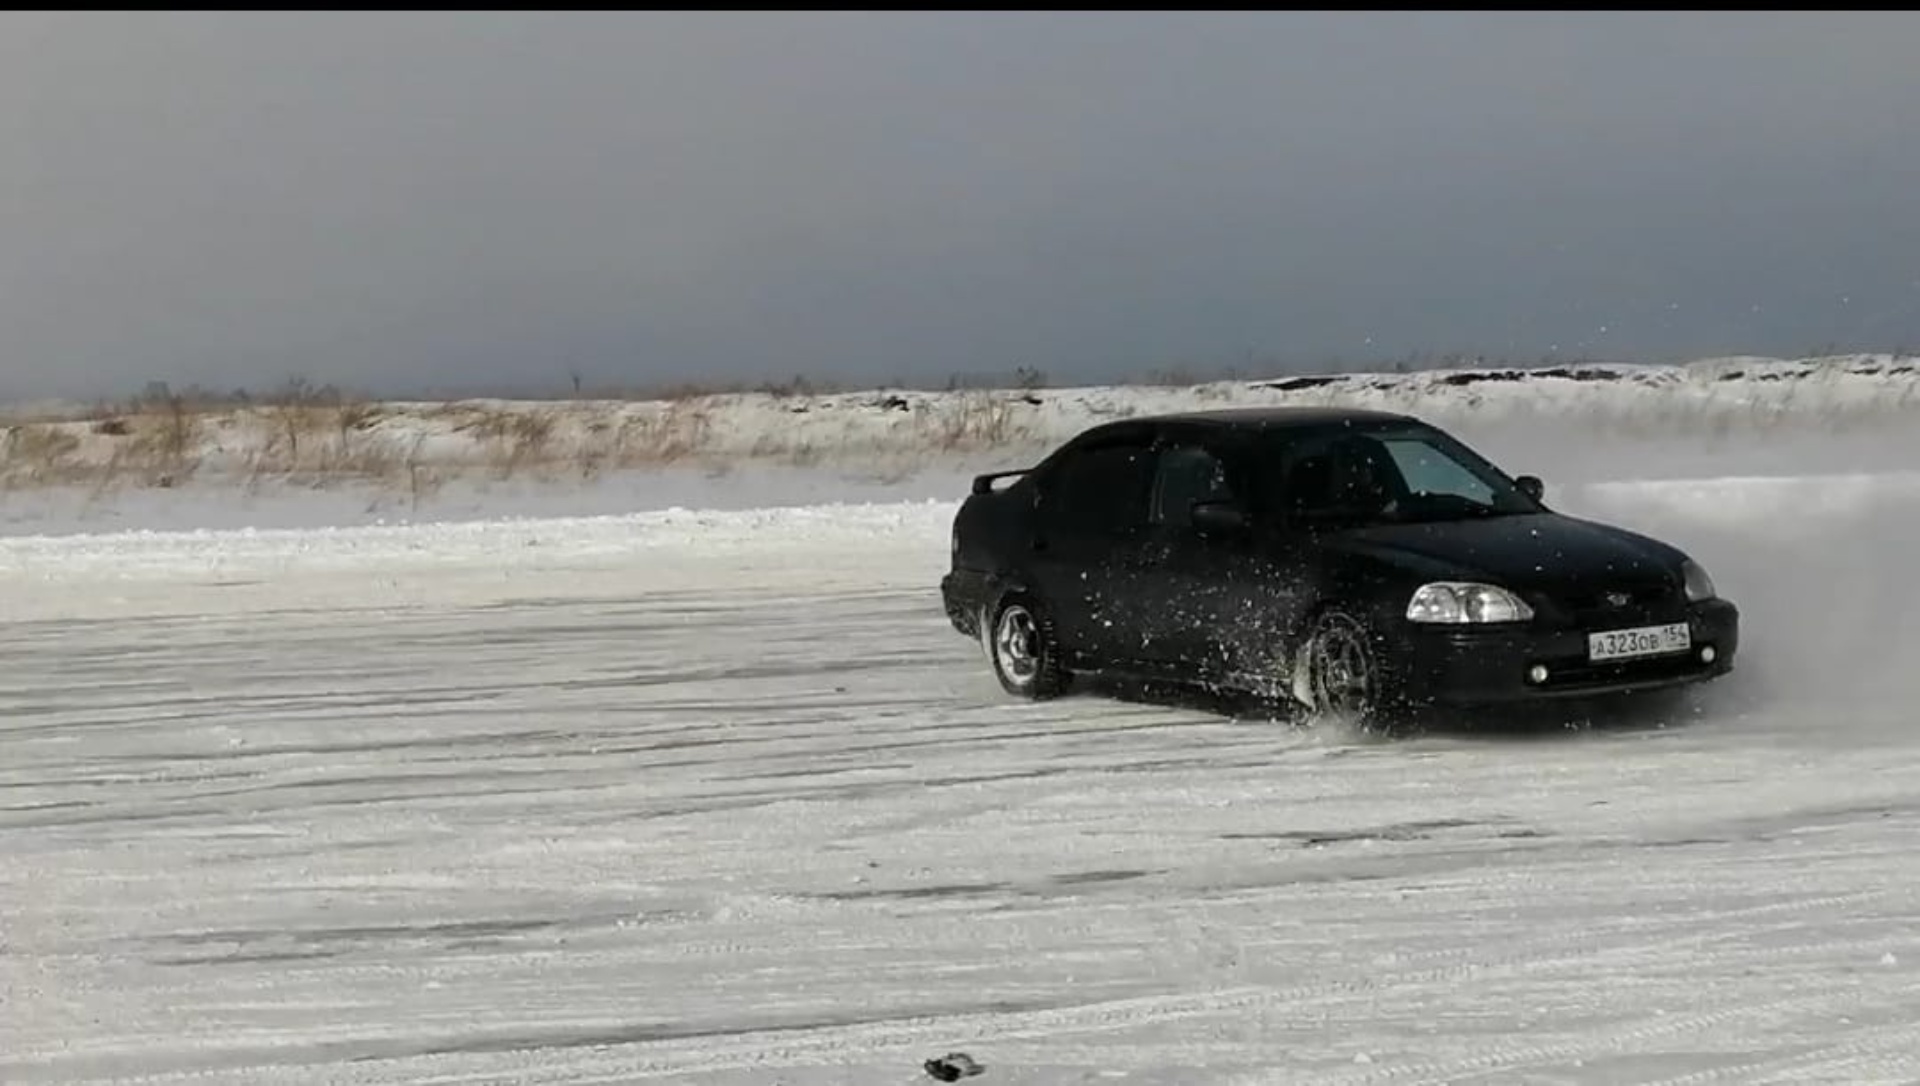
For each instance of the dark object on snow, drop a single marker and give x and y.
(953, 1067)
(1296, 384)
(1326, 560)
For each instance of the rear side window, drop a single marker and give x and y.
(1100, 491)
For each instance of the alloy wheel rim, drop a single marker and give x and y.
(1342, 670)
(1016, 645)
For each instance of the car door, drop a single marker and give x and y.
(1187, 578)
(1225, 596)
(1089, 535)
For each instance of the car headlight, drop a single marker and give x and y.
(1455, 602)
(1699, 585)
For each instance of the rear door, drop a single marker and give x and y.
(1090, 531)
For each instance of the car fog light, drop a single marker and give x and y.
(1537, 674)
(1707, 655)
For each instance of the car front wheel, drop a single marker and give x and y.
(1344, 677)
(1025, 651)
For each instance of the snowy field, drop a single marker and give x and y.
(712, 794)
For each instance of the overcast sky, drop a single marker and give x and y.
(408, 202)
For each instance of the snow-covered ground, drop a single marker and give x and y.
(714, 795)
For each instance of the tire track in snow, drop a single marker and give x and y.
(1526, 956)
(1634, 1039)
(1888, 1050)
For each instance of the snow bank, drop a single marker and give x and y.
(332, 463)
(791, 532)
(810, 547)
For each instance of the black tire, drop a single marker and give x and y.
(1344, 677)
(1024, 649)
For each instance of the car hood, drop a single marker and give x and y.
(1539, 552)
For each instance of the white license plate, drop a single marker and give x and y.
(1639, 641)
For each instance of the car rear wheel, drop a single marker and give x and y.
(1025, 651)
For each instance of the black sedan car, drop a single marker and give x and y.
(1344, 562)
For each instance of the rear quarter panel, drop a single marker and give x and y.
(990, 531)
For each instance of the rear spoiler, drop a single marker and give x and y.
(983, 484)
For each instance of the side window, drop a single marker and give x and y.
(1099, 491)
(1429, 471)
(1337, 476)
(1187, 474)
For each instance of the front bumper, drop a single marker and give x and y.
(1462, 665)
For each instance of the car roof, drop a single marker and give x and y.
(1227, 420)
(1275, 417)
(1239, 419)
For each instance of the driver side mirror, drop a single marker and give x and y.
(1218, 518)
(1532, 487)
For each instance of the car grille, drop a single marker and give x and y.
(1622, 605)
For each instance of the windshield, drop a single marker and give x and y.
(1396, 474)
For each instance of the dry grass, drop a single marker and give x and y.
(324, 436)
(548, 440)
(675, 432)
(514, 440)
(158, 445)
(974, 421)
(36, 454)
(163, 449)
